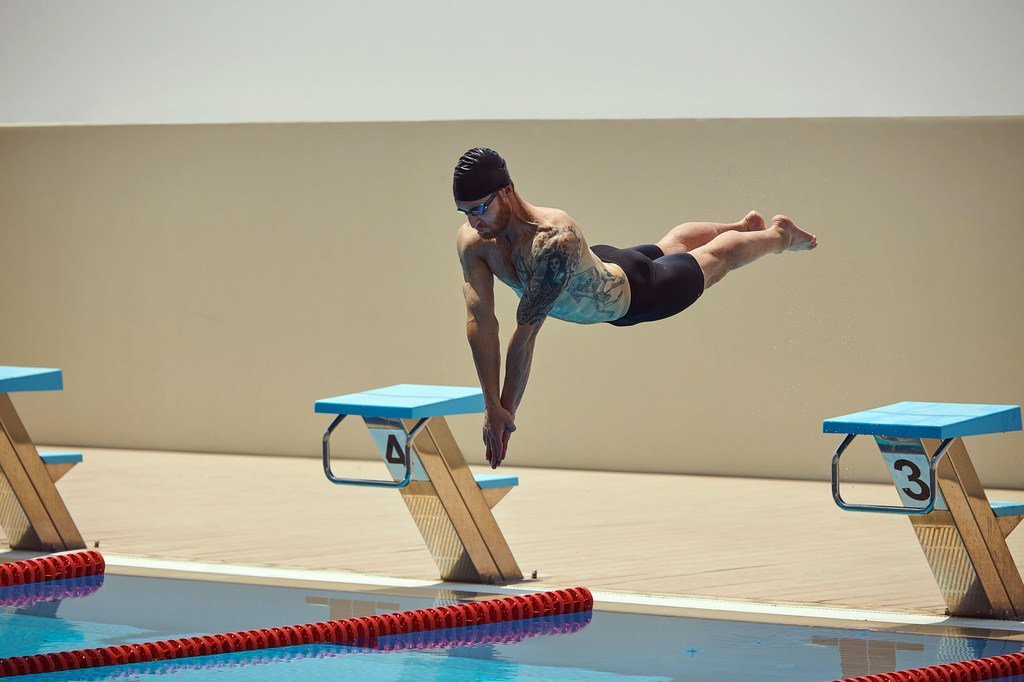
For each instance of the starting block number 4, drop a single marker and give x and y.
(909, 473)
(391, 444)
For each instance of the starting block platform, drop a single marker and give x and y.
(962, 533)
(32, 513)
(451, 506)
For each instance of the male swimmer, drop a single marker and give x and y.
(542, 255)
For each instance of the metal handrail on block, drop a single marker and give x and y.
(365, 481)
(933, 465)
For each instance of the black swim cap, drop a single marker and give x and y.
(479, 173)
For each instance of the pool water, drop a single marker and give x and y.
(115, 609)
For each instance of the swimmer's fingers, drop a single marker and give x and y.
(498, 452)
(492, 447)
(487, 445)
(504, 442)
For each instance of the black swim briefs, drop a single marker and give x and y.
(660, 286)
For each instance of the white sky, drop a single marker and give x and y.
(174, 61)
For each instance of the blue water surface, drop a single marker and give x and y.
(599, 646)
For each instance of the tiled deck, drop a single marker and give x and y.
(762, 540)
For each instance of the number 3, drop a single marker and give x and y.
(914, 477)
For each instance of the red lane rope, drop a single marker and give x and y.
(363, 631)
(511, 634)
(417, 641)
(962, 671)
(53, 567)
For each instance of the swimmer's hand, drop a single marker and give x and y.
(498, 427)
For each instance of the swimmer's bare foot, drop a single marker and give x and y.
(753, 222)
(796, 239)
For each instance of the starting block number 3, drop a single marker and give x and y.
(910, 476)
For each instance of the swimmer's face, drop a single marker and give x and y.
(489, 215)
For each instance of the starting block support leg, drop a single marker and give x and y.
(454, 518)
(32, 512)
(966, 545)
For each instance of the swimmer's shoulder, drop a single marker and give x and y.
(556, 218)
(559, 226)
(469, 242)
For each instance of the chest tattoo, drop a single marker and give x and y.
(601, 288)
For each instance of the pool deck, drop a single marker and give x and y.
(762, 540)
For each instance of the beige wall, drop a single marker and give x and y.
(202, 285)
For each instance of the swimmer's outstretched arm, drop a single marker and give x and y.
(482, 332)
(517, 365)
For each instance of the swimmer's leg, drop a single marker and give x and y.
(689, 236)
(734, 249)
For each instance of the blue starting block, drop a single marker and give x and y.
(910, 421)
(451, 506)
(962, 534)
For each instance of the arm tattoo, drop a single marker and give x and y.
(554, 263)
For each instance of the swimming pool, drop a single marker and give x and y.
(622, 639)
